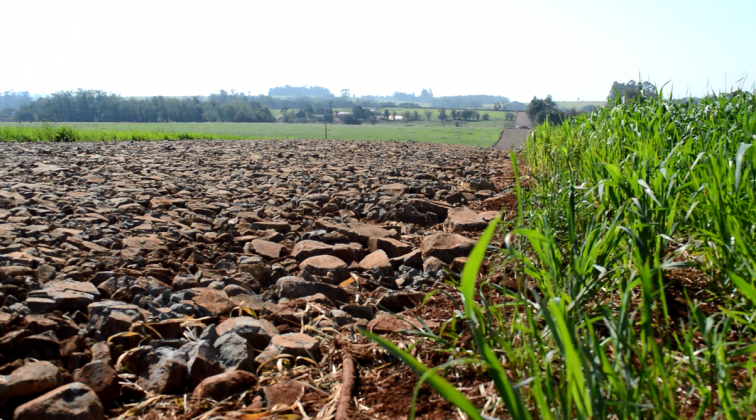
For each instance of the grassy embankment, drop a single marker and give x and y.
(477, 133)
(630, 271)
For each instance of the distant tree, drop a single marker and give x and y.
(442, 114)
(373, 119)
(486, 117)
(386, 114)
(454, 114)
(301, 114)
(415, 116)
(345, 94)
(393, 114)
(497, 106)
(476, 115)
(629, 91)
(407, 115)
(350, 120)
(428, 114)
(467, 114)
(509, 116)
(426, 95)
(540, 110)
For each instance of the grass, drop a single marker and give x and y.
(632, 255)
(479, 133)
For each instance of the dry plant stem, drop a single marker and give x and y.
(347, 386)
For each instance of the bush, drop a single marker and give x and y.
(350, 120)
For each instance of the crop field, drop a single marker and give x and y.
(578, 105)
(474, 133)
(625, 286)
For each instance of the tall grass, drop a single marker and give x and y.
(634, 256)
(51, 133)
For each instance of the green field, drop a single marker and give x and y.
(578, 105)
(478, 133)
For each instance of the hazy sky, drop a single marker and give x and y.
(569, 49)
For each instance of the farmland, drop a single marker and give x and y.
(473, 133)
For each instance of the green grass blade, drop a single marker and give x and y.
(509, 395)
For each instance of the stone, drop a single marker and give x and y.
(296, 287)
(162, 371)
(40, 305)
(30, 380)
(465, 220)
(433, 264)
(412, 259)
(101, 378)
(258, 332)
(322, 265)
(202, 361)
(293, 344)
(268, 249)
(307, 248)
(224, 385)
(390, 246)
(212, 302)
(74, 401)
(446, 246)
(384, 323)
(379, 262)
(235, 353)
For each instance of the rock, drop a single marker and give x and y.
(446, 246)
(307, 248)
(393, 189)
(72, 345)
(357, 311)
(31, 380)
(411, 259)
(267, 249)
(379, 262)
(212, 302)
(224, 385)
(433, 264)
(465, 220)
(293, 344)
(40, 305)
(391, 247)
(102, 379)
(202, 361)
(384, 323)
(74, 401)
(258, 332)
(235, 353)
(398, 302)
(162, 371)
(282, 227)
(295, 287)
(15, 271)
(322, 265)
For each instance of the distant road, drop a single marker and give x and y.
(514, 138)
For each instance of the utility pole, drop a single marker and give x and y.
(330, 104)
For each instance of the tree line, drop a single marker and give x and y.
(99, 106)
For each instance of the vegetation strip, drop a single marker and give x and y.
(627, 280)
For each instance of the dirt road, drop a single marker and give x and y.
(514, 138)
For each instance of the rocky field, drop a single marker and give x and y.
(202, 279)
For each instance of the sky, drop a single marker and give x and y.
(518, 49)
